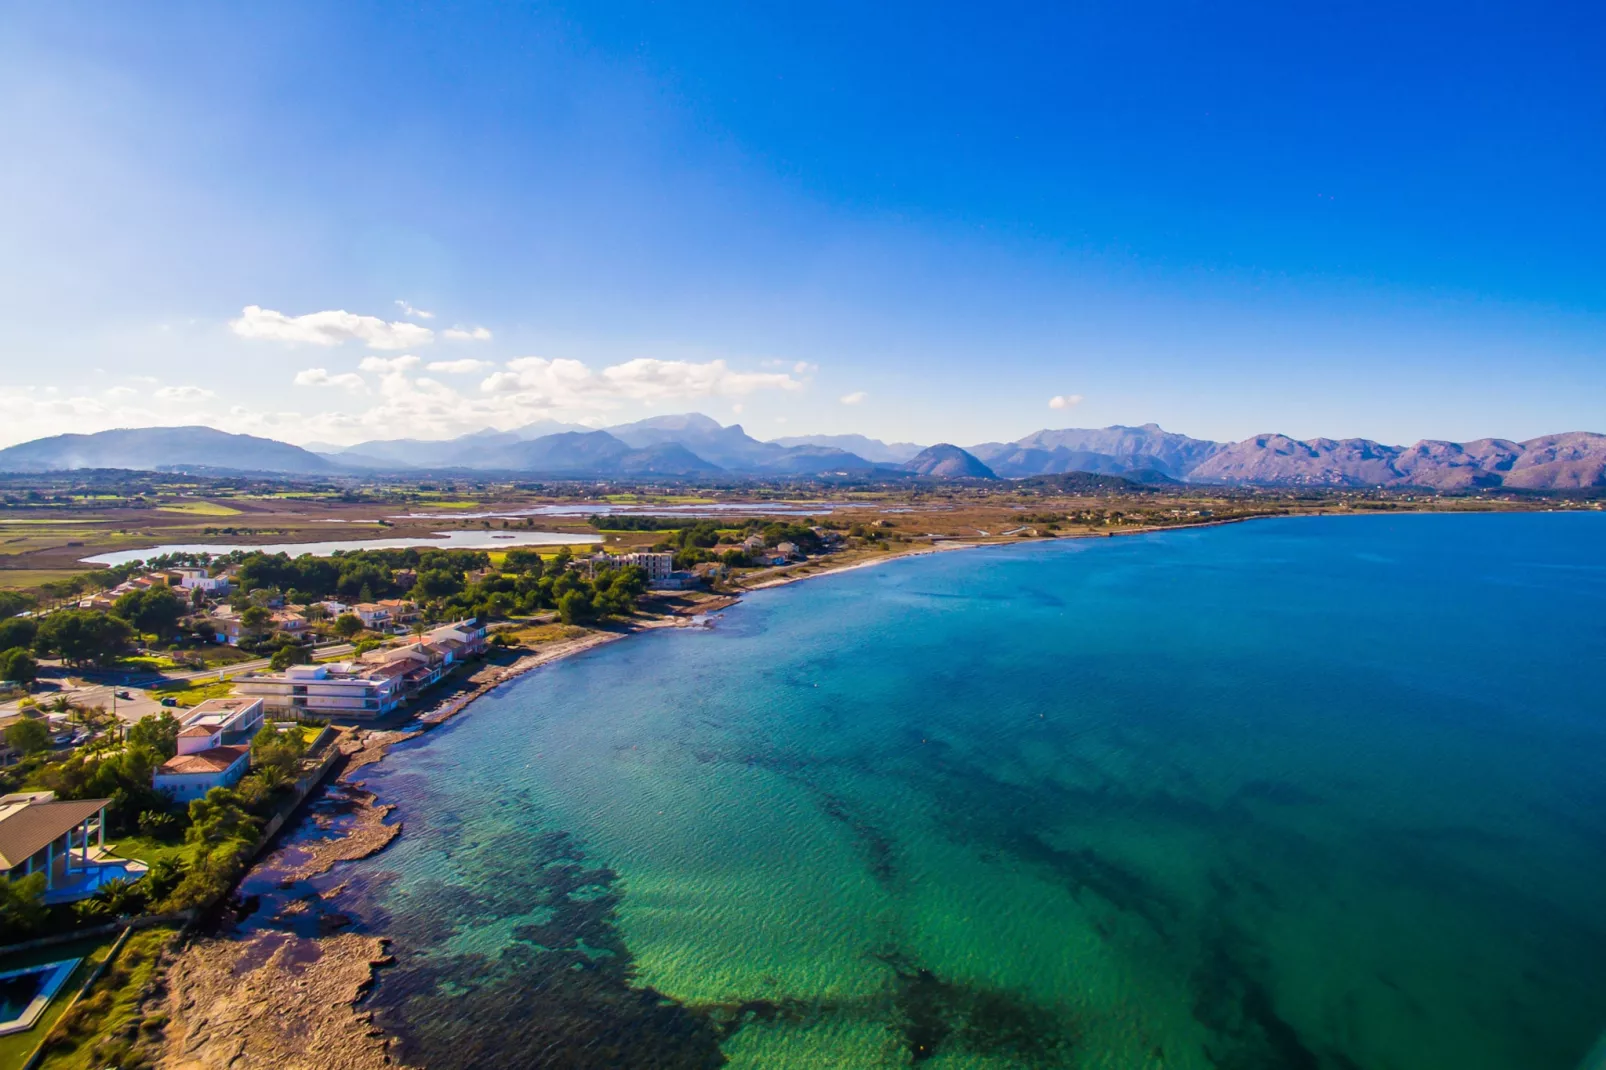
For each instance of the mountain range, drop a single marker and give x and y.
(694, 446)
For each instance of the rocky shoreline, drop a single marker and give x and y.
(284, 992)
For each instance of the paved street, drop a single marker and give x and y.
(92, 688)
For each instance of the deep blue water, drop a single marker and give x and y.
(1323, 793)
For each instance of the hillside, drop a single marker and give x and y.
(1111, 450)
(1552, 462)
(871, 449)
(150, 448)
(945, 461)
(692, 445)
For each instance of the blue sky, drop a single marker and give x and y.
(916, 221)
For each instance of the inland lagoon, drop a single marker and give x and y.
(1313, 793)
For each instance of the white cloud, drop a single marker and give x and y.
(461, 333)
(1064, 401)
(570, 383)
(459, 367)
(392, 392)
(855, 398)
(389, 365)
(184, 393)
(330, 328)
(321, 377)
(416, 313)
(803, 367)
(645, 379)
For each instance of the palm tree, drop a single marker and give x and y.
(120, 897)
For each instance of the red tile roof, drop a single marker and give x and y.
(215, 760)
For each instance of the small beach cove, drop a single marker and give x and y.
(639, 835)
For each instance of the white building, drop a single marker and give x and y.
(657, 566)
(213, 748)
(187, 777)
(373, 615)
(41, 834)
(346, 690)
(197, 579)
(223, 720)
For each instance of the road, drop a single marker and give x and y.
(101, 688)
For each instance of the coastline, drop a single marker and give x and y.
(299, 960)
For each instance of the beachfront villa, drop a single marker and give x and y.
(657, 566)
(64, 839)
(213, 748)
(345, 689)
(370, 687)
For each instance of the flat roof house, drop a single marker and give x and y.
(346, 689)
(198, 579)
(657, 565)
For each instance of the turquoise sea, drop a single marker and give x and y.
(1306, 793)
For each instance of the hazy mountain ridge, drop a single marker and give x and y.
(871, 449)
(150, 448)
(692, 445)
(945, 461)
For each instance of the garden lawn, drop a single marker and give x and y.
(111, 1008)
(145, 849)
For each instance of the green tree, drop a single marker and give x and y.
(155, 611)
(22, 907)
(121, 897)
(17, 631)
(160, 734)
(14, 602)
(279, 751)
(217, 817)
(439, 583)
(255, 619)
(523, 562)
(575, 607)
(82, 635)
(210, 875)
(348, 625)
(18, 666)
(287, 656)
(28, 735)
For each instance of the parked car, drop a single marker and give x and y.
(124, 694)
(170, 702)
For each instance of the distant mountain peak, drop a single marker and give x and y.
(684, 421)
(947, 461)
(152, 448)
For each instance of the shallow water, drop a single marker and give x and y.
(1318, 793)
